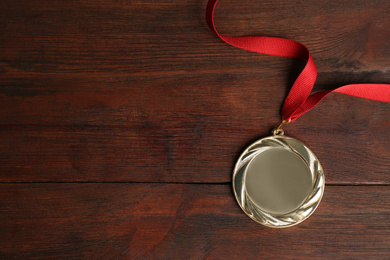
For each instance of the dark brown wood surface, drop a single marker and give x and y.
(182, 221)
(121, 121)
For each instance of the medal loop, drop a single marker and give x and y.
(279, 130)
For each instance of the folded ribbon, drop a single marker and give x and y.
(299, 99)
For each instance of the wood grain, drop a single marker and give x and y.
(103, 101)
(355, 155)
(104, 90)
(176, 221)
(111, 94)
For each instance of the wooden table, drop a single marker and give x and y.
(121, 122)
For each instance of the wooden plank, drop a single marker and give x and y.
(120, 63)
(104, 90)
(354, 148)
(148, 36)
(178, 221)
(143, 91)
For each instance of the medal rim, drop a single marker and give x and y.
(318, 174)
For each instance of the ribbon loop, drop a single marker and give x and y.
(299, 100)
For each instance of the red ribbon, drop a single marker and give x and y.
(299, 99)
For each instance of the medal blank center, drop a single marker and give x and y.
(278, 181)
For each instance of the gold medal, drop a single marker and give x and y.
(278, 181)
